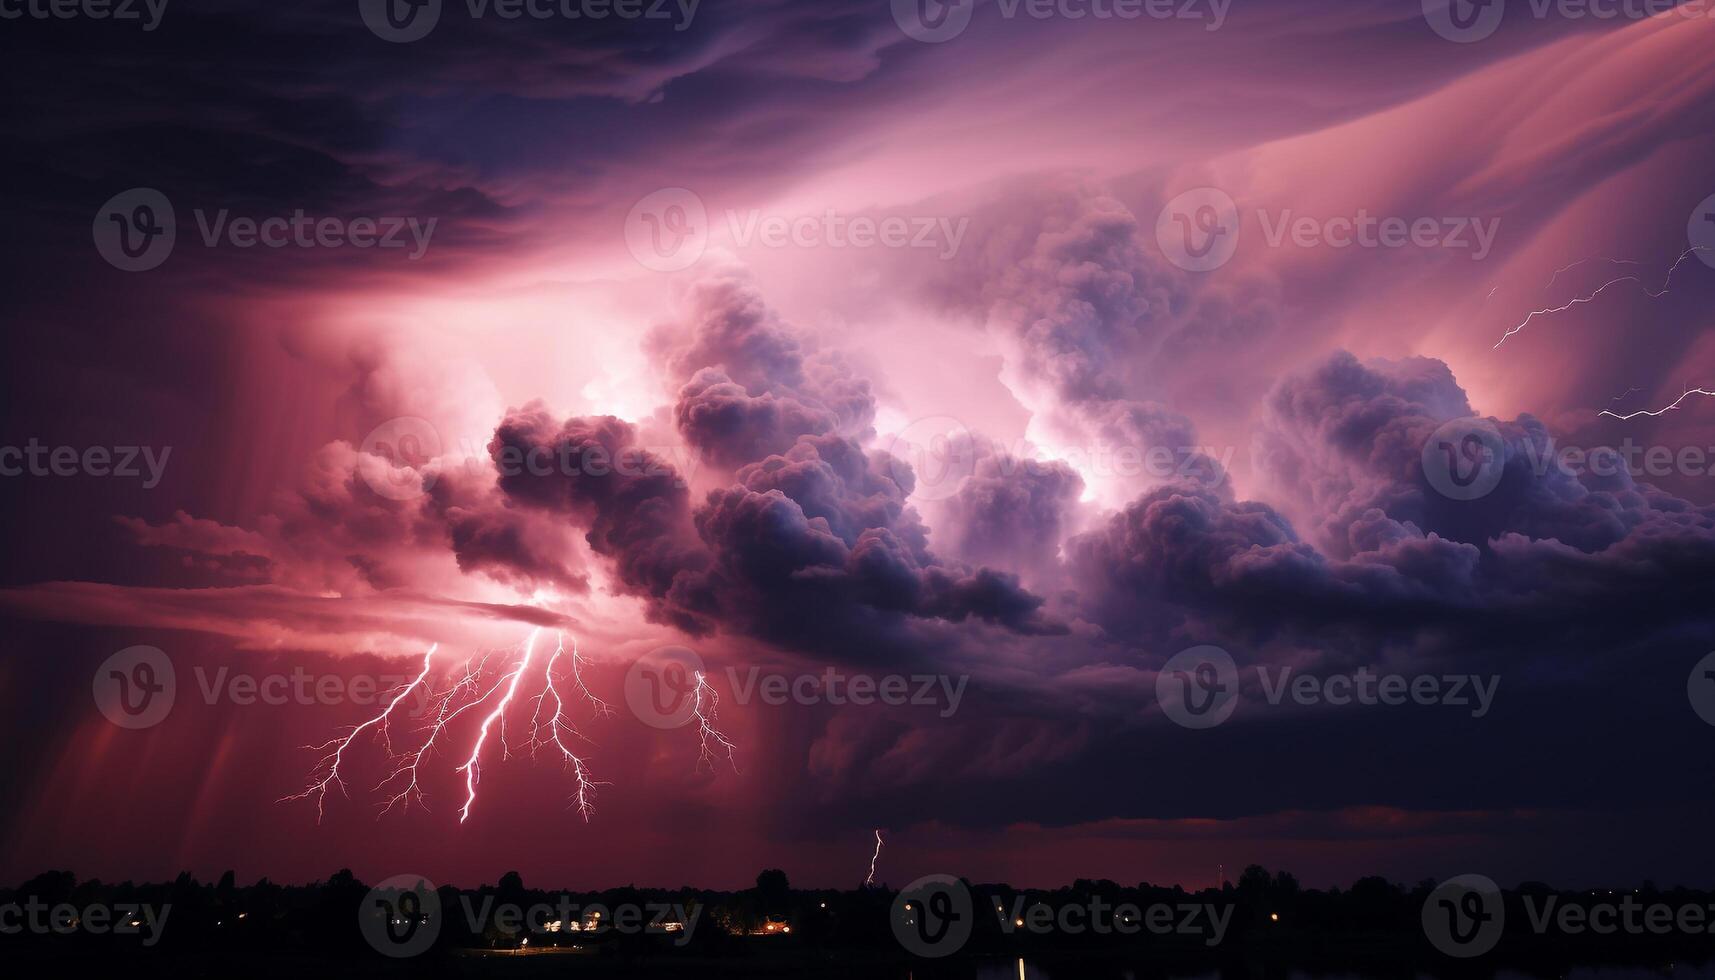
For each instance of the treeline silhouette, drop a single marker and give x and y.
(1271, 922)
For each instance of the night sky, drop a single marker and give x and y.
(801, 338)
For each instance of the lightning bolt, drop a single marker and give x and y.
(471, 767)
(446, 712)
(1581, 300)
(328, 766)
(1652, 413)
(474, 686)
(558, 725)
(601, 707)
(711, 742)
(1593, 258)
(873, 859)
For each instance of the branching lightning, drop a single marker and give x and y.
(873, 859)
(551, 690)
(601, 707)
(1654, 412)
(1594, 258)
(558, 726)
(1581, 300)
(326, 772)
(711, 742)
(472, 766)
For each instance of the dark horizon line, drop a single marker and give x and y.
(1231, 884)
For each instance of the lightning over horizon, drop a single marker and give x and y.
(874, 858)
(1054, 430)
(550, 726)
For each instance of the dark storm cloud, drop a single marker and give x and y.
(632, 504)
(334, 527)
(1590, 587)
(1579, 595)
(1524, 561)
(1011, 512)
(812, 543)
(808, 550)
(1347, 439)
(1081, 312)
(484, 125)
(748, 388)
(1103, 338)
(814, 549)
(722, 419)
(510, 544)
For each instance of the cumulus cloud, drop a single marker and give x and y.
(1091, 326)
(1010, 512)
(811, 543)
(814, 549)
(747, 387)
(1392, 556)
(1344, 441)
